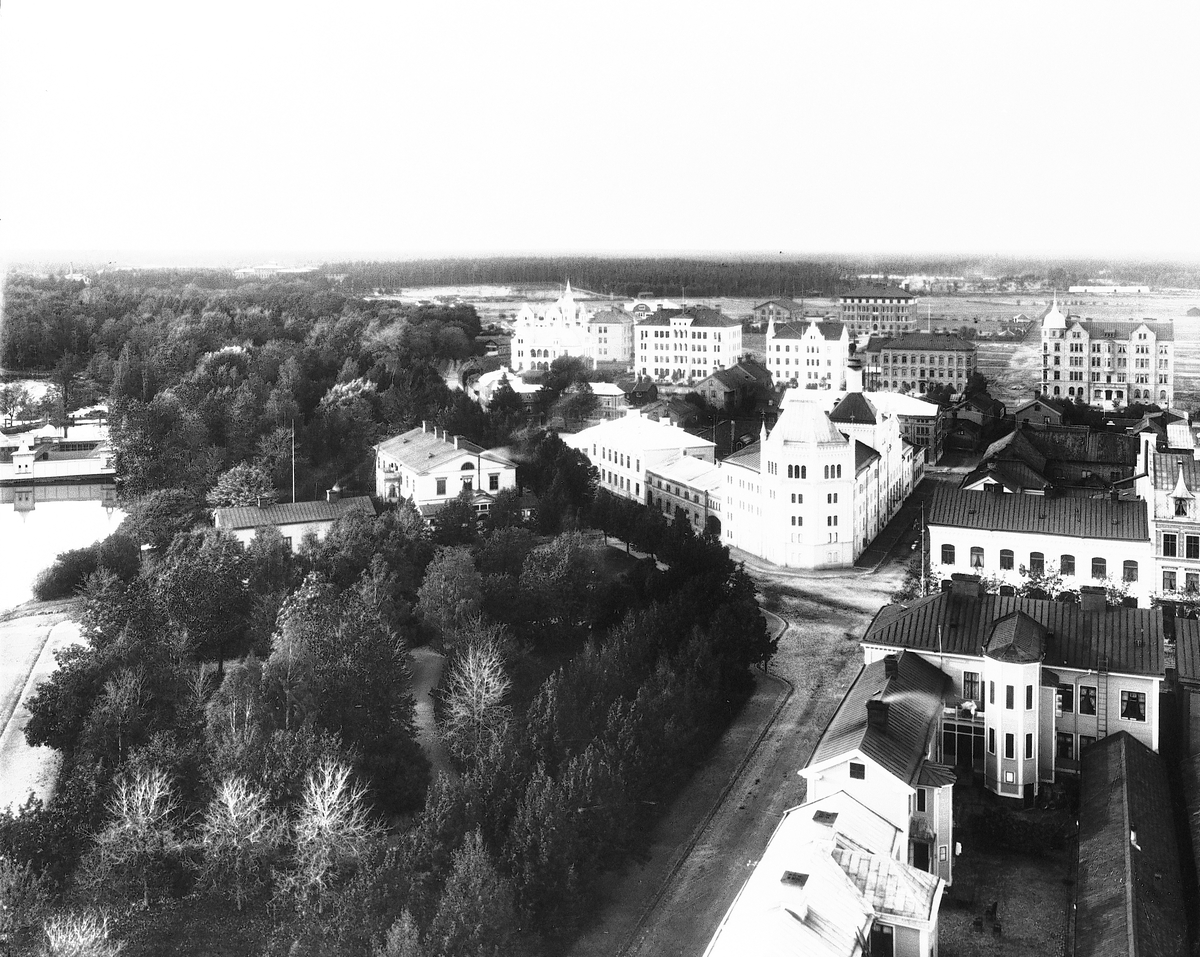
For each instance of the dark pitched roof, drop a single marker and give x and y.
(1166, 471)
(876, 292)
(700, 316)
(291, 513)
(829, 329)
(1128, 893)
(1187, 651)
(1038, 401)
(739, 375)
(789, 304)
(864, 455)
(930, 342)
(982, 402)
(1123, 328)
(1078, 443)
(1016, 447)
(750, 456)
(854, 409)
(1074, 517)
(914, 699)
(874, 345)
(1130, 638)
(1014, 476)
(636, 386)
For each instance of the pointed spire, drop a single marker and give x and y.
(762, 432)
(1181, 489)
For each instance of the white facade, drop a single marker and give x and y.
(541, 337)
(610, 337)
(809, 354)
(485, 386)
(1002, 554)
(1108, 363)
(814, 493)
(623, 449)
(688, 345)
(430, 467)
(1170, 483)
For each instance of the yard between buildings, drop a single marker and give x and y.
(704, 847)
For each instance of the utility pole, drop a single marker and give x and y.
(293, 459)
(923, 582)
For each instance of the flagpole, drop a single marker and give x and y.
(293, 459)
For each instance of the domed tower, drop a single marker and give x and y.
(1012, 673)
(1054, 331)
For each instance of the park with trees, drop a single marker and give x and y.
(241, 767)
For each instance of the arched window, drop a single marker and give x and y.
(1099, 568)
(804, 471)
(827, 471)
(1129, 572)
(1037, 563)
(839, 471)
(1006, 558)
(976, 557)
(1066, 564)
(947, 554)
(467, 465)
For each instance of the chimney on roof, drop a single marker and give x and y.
(456, 441)
(891, 666)
(422, 425)
(263, 501)
(877, 715)
(796, 905)
(1093, 600)
(965, 586)
(334, 494)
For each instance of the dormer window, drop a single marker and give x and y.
(1181, 508)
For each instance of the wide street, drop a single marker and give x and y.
(27, 646)
(702, 850)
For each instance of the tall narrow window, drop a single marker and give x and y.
(1029, 697)
(1010, 746)
(1006, 558)
(1028, 746)
(1037, 563)
(976, 557)
(947, 554)
(1099, 568)
(1129, 572)
(1009, 697)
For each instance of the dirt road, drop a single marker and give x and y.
(27, 647)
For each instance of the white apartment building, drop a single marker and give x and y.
(1110, 362)
(809, 353)
(540, 337)
(877, 311)
(624, 448)
(816, 489)
(686, 344)
(610, 337)
(1087, 541)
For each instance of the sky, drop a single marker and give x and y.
(144, 133)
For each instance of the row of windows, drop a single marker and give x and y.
(468, 482)
(1170, 541)
(1037, 563)
(1010, 744)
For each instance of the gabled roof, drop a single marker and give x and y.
(914, 699)
(1078, 443)
(1041, 515)
(855, 409)
(1128, 892)
(1187, 649)
(426, 451)
(891, 888)
(931, 342)
(789, 304)
(750, 457)
(1037, 401)
(876, 292)
(1130, 639)
(874, 345)
(981, 402)
(805, 422)
(828, 329)
(636, 386)
(1014, 476)
(290, 513)
(1122, 328)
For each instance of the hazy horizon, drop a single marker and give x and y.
(238, 133)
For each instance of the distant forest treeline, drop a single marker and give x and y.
(626, 276)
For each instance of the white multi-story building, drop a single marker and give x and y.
(809, 353)
(877, 311)
(686, 344)
(1033, 682)
(816, 489)
(1085, 540)
(610, 337)
(1108, 362)
(624, 448)
(541, 337)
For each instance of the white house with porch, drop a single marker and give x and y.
(431, 467)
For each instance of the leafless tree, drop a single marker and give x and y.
(79, 935)
(140, 835)
(240, 836)
(332, 832)
(476, 688)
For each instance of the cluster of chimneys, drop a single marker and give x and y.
(1093, 599)
(439, 433)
